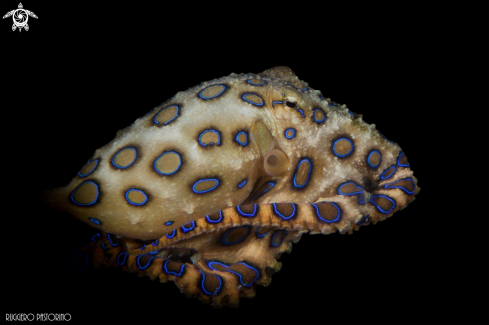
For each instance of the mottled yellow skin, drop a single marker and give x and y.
(170, 198)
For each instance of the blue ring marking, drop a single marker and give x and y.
(368, 158)
(302, 112)
(96, 198)
(155, 243)
(387, 171)
(129, 165)
(173, 172)
(215, 221)
(252, 215)
(360, 191)
(161, 110)
(144, 266)
(205, 145)
(168, 223)
(202, 284)
(314, 116)
(104, 247)
(401, 165)
(241, 143)
(237, 241)
(133, 203)
(143, 247)
(331, 104)
(171, 272)
(93, 237)
(223, 88)
(95, 221)
(281, 215)
(385, 197)
(153, 253)
(82, 267)
(401, 187)
(319, 215)
(334, 144)
(277, 102)
(280, 232)
(258, 235)
(254, 84)
(322, 97)
(185, 229)
(93, 169)
(258, 195)
(238, 274)
(353, 114)
(305, 89)
(112, 243)
(208, 190)
(253, 103)
(297, 170)
(293, 133)
(243, 183)
(172, 234)
(124, 255)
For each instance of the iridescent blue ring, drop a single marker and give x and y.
(251, 102)
(86, 204)
(319, 214)
(314, 116)
(242, 143)
(213, 131)
(254, 84)
(164, 153)
(258, 235)
(280, 232)
(368, 158)
(215, 221)
(387, 171)
(172, 234)
(238, 274)
(171, 272)
(91, 171)
(134, 203)
(124, 257)
(203, 288)
(208, 190)
(161, 110)
(248, 215)
(223, 88)
(238, 240)
(334, 150)
(398, 161)
(281, 215)
(130, 164)
(297, 170)
(185, 229)
(385, 197)
(287, 131)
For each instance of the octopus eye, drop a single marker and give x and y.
(291, 104)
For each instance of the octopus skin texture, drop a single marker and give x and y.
(210, 187)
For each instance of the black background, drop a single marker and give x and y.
(418, 70)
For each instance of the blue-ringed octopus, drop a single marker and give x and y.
(210, 187)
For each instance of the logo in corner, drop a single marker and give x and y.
(20, 17)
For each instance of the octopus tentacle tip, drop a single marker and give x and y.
(211, 187)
